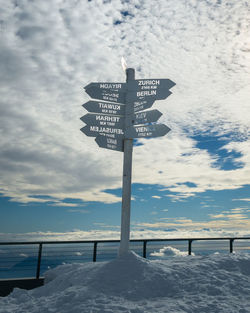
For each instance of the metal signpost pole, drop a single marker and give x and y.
(127, 171)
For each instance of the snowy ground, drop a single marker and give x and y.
(178, 283)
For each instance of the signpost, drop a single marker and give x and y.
(119, 117)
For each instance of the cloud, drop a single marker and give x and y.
(78, 211)
(135, 234)
(244, 199)
(49, 51)
(156, 197)
(24, 255)
(236, 215)
(154, 213)
(65, 204)
(231, 221)
(79, 253)
(169, 252)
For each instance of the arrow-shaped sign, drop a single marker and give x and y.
(145, 117)
(104, 120)
(150, 84)
(94, 131)
(157, 94)
(111, 86)
(109, 143)
(155, 130)
(140, 105)
(104, 107)
(106, 94)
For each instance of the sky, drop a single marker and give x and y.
(55, 182)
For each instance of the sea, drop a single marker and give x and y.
(21, 261)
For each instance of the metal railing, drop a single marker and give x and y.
(96, 242)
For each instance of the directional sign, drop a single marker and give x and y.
(146, 117)
(140, 105)
(104, 120)
(106, 94)
(94, 131)
(104, 107)
(109, 143)
(155, 130)
(111, 86)
(150, 84)
(157, 94)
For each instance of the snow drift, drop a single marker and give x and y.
(216, 283)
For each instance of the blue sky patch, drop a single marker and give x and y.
(225, 160)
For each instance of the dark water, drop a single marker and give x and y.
(21, 261)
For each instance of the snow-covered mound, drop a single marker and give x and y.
(216, 283)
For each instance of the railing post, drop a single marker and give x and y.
(231, 245)
(145, 249)
(39, 261)
(190, 246)
(94, 251)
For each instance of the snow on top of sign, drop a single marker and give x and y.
(131, 284)
(124, 64)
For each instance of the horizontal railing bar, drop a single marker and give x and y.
(117, 240)
(186, 239)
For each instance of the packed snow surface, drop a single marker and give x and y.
(215, 283)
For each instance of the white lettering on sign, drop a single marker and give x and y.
(110, 111)
(141, 115)
(149, 82)
(139, 103)
(112, 141)
(110, 135)
(146, 93)
(107, 118)
(110, 86)
(111, 146)
(114, 95)
(94, 128)
(109, 106)
(106, 130)
(148, 87)
(107, 123)
(109, 98)
(141, 129)
(145, 134)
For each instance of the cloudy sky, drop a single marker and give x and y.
(54, 180)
